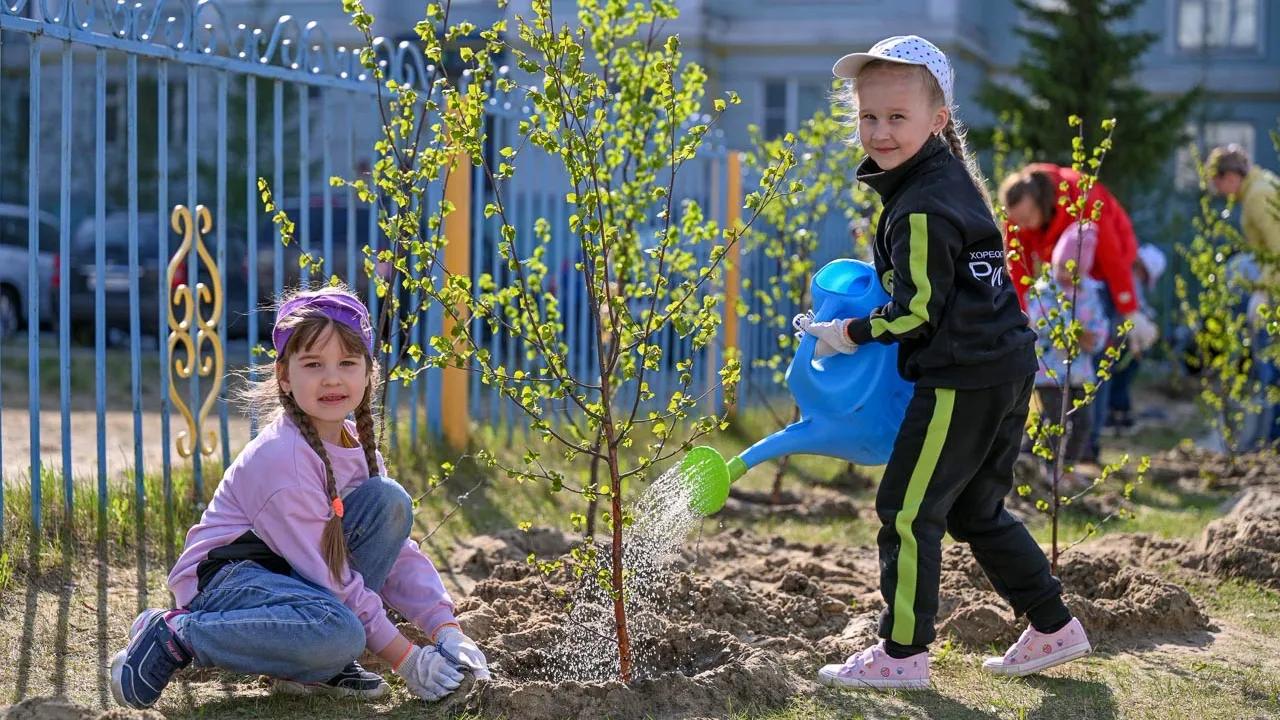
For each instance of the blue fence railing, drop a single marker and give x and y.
(112, 115)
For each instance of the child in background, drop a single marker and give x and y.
(1080, 302)
(287, 570)
(963, 341)
(1147, 269)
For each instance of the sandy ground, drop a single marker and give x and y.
(119, 430)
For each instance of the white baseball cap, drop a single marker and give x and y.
(905, 50)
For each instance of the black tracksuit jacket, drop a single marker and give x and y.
(940, 255)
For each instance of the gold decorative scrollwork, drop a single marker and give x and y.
(207, 328)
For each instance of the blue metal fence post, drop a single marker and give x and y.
(251, 227)
(99, 287)
(135, 348)
(64, 285)
(192, 93)
(220, 226)
(33, 281)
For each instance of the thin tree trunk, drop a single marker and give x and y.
(619, 603)
(776, 496)
(594, 502)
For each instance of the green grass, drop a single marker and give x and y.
(116, 525)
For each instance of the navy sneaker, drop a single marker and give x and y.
(140, 672)
(353, 681)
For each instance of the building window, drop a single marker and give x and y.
(1208, 136)
(1218, 24)
(812, 97)
(774, 122)
(788, 103)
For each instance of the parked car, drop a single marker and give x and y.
(16, 295)
(151, 270)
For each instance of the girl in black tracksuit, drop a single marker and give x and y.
(965, 343)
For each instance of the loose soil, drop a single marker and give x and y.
(1245, 543)
(747, 620)
(1202, 468)
(742, 621)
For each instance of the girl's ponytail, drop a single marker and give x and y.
(953, 133)
(368, 432)
(333, 543)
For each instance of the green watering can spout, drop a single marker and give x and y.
(707, 478)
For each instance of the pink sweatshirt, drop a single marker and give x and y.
(276, 488)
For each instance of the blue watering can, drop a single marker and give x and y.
(851, 406)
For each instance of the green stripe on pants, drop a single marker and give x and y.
(904, 597)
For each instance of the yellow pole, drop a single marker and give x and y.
(732, 278)
(454, 416)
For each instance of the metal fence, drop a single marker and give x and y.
(116, 113)
(131, 141)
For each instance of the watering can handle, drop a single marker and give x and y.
(801, 378)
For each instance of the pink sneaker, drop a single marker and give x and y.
(874, 668)
(1036, 651)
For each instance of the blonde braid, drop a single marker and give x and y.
(333, 543)
(368, 433)
(953, 133)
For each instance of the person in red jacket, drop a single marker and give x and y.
(1037, 220)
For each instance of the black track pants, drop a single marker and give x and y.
(950, 470)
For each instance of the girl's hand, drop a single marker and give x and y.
(832, 335)
(462, 651)
(428, 674)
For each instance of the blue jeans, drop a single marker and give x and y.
(253, 621)
(1118, 396)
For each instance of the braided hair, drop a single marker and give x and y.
(267, 401)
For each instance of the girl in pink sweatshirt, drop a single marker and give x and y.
(288, 568)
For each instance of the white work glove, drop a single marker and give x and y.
(462, 651)
(1143, 334)
(832, 335)
(1256, 301)
(428, 674)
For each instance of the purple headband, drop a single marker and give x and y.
(340, 308)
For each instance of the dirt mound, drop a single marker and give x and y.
(850, 575)
(478, 556)
(1216, 470)
(44, 708)
(685, 667)
(710, 671)
(1245, 543)
(1119, 604)
(743, 620)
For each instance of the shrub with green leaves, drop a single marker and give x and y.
(1224, 345)
(1066, 334)
(614, 104)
